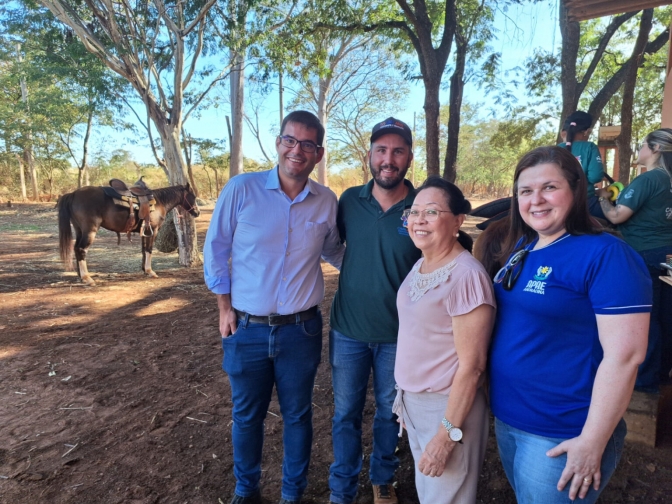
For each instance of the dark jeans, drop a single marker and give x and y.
(351, 364)
(658, 360)
(257, 357)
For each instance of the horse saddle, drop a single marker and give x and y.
(138, 196)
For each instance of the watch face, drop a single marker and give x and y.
(455, 434)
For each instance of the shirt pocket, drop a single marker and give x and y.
(314, 234)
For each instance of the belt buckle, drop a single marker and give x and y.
(275, 319)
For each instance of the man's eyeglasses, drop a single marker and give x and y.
(429, 214)
(508, 275)
(306, 145)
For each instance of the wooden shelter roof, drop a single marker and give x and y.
(580, 10)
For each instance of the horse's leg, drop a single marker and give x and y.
(82, 243)
(147, 246)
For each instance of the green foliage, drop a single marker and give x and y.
(490, 149)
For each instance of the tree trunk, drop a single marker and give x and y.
(571, 35)
(237, 101)
(281, 91)
(454, 108)
(432, 106)
(186, 228)
(85, 149)
(29, 161)
(365, 169)
(22, 176)
(624, 139)
(322, 176)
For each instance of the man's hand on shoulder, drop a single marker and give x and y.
(227, 316)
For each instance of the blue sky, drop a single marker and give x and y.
(520, 31)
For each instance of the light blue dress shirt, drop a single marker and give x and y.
(274, 244)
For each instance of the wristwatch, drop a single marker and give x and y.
(601, 198)
(454, 433)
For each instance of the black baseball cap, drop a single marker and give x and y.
(392, 125)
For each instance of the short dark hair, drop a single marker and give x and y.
(455, 201)
(308, 119)
(578, 219)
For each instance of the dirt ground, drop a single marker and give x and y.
(115, 394)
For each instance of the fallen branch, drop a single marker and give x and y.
(73, 447)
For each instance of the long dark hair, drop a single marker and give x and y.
(578, 219)
(456, 202)
(576, 123)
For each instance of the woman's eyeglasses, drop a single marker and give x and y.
(508, 275)
(429, 214)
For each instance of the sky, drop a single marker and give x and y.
(520, 30)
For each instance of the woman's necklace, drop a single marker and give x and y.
(420, 283)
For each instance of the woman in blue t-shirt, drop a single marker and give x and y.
(643, 212)
(568, 338)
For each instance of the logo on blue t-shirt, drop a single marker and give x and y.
(543, 272)
(403, 231)
(538, 285)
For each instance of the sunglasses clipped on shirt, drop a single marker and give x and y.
(508, 275)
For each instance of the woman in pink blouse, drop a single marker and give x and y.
(446, 313)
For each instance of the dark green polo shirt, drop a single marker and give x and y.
(649, 196)
(379, 254)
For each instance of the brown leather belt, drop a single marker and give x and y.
(276, 320)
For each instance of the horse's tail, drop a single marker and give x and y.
(64, 230)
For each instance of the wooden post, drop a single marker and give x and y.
(666, 116)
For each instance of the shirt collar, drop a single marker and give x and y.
(366, 192)
(273, 182)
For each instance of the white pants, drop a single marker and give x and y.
(422, 414)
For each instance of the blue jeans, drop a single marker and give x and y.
(256, 357)
(351, 363)
(651, 370)
(534, 476)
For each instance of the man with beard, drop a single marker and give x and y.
(378, 255)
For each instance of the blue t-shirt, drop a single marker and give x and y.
(546, 349)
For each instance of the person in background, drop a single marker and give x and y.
(575, 132)
(446, 312)
(573, 307)
(643, 213)
(273, 226)
(363, 338)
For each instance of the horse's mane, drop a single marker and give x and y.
(169, 194)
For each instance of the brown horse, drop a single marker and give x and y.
(89, 209)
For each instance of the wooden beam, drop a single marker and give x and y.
(666, 115)
(580, 10)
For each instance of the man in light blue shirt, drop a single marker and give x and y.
(273, 226)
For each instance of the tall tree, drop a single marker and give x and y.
(585, 50)
(341, 65)
(472, 33)
(623, 140)
(430, 27)
(155, 46)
